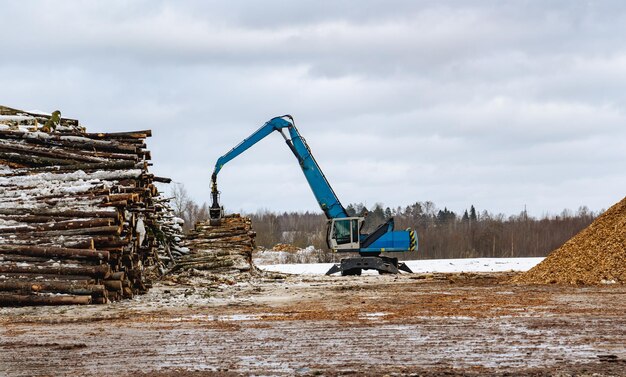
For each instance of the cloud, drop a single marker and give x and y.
(497, 104)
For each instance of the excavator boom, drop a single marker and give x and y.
(343, 231)
(326, 197)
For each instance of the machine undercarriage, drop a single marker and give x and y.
(382, 264)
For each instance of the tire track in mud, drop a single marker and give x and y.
(285, 347)
(330, 326)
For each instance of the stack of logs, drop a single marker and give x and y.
(222, 250)
(81, 221)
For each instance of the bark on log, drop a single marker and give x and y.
(119, 203)
(119, 135)
(55, 153)
(100, 300)
(109, 242)
(127, 293)
(131, 197)
(66, 241)
(113, 285)
(61, 225)
(50, 252)
(120, 275)
(69, 142)
(101, 271)
(35, 161)
(74, 288)
(4, 110)
(90, 167)
(32, 219)
(70, 232)
(104, 213)
(162, 179)
(22, 258)
(11, 276)
(10, 299)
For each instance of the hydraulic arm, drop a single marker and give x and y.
(343, 232)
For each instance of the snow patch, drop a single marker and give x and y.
(423, 266)
(141, 230)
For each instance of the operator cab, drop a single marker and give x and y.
(344, 233)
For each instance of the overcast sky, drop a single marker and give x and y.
(499, 104)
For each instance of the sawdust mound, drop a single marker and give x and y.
(596, 255)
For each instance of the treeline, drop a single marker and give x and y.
(442, 233)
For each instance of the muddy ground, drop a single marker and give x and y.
(431, 325)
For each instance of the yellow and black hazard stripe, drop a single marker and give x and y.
(413, 240)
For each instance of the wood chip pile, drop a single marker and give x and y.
(223, 251)
(597, 255)
(81, 221)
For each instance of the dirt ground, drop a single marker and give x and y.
(420, 325)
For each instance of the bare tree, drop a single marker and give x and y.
(186, 208)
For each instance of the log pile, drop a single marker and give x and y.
(596, 255)
(223, 251)
(81, 220)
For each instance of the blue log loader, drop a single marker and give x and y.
(344, 231)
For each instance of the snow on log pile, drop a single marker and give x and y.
(596, 255)
(221, 252)
(81, 221)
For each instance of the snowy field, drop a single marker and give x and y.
(423, 266)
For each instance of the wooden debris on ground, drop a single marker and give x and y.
(81, 220)
(286, 248)
(596, 255)
(220, 253)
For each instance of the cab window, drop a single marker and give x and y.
(342, 232)
(355, 230)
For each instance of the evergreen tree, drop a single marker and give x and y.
(362, 211)
(445, 216)
(377, 212)
(465, 217)
(472, 214)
